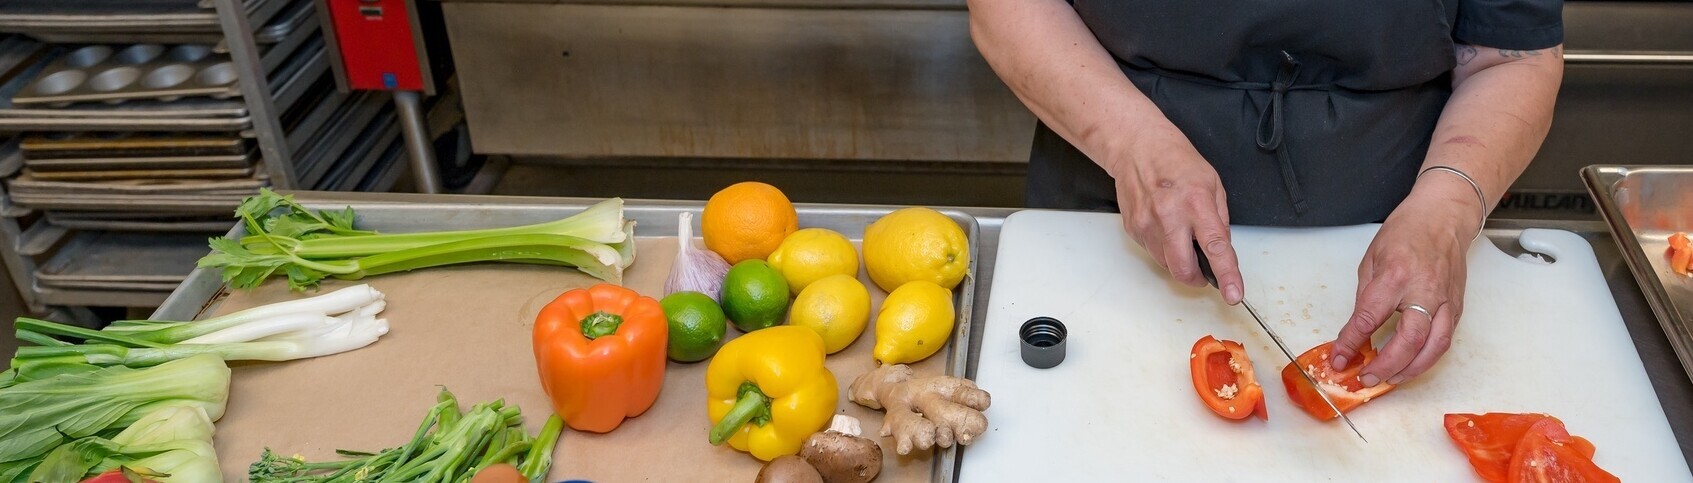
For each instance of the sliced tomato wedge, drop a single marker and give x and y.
(1222, 375)
(1489, 440)
(1342, 386)
(1548, 454)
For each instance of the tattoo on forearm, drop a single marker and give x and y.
(1518, 54)
(1466, 53)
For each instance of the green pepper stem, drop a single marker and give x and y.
(600, 324)
(752, 404)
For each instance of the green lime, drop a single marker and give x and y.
(696, 325)
(755, 296)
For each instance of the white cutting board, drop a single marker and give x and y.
(1121, 407)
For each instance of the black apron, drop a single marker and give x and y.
(1313, 112)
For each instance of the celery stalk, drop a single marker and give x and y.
(601, 223)
(311, 247)
(592, 258)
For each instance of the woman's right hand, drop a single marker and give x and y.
(1171, 197)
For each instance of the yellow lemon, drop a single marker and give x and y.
(811, 254)
(916, 244)
(837, 307)
(914, 323)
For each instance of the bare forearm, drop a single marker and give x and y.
(1499, 113)
(1054, 64)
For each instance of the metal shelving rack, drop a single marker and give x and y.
(307, 136)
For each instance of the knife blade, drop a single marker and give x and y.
(1211, 278)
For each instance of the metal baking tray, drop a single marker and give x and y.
(187, 107)
(125, 124)
(122, 16)
(60, 33)
(108, 286)
(73, 37)
(358, 161)
(140, 71)
(273, 55)
(323, 103)
(193, 114)
(387, 171)
(199, 294)
(292, 19)
(108, 257)
(44, 150)
(337, 136)
(17, 54)
(11, 156)
(25, 183)
(142, 174)
(298, 74)
(25, 15)
(192, 108)
(1644, 205)
(222, 162)
(208, 205)
(215, 224)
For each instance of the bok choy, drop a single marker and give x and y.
(39, 415)
(284, 238)
(172, 444)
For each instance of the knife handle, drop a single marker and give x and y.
(1204, 265)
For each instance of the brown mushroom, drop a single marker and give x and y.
(840, 455)
(788, 469)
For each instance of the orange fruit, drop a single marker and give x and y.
(747, 221)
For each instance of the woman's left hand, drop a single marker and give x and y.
(1416, 260)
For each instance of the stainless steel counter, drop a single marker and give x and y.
(1673, 385)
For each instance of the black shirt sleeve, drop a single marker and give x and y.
(1510, 24)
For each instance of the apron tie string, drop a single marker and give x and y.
(1270, 123)
(1270, 129)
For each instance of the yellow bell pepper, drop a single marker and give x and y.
(768, 390)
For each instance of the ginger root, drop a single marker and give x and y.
(923, 412)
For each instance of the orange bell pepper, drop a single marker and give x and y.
(600, 353)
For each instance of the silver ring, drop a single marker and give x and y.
(1418, 308)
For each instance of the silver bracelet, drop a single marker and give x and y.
(1473, 185)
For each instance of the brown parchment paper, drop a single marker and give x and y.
(467, 328)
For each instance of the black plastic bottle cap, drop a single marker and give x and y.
(1043, 342)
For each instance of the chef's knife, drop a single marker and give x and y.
(1211, 278)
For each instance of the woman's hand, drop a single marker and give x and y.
(1417, 258)
(1170, 197)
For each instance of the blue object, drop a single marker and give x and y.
(389, 81)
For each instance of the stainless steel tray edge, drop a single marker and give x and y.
(202, 289)
(1602, 183)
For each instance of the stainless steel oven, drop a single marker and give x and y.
(874, 82)
(1627, 98)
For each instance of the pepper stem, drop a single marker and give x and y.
(600, 324)
(752, 407)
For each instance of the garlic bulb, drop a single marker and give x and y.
(696, 269)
